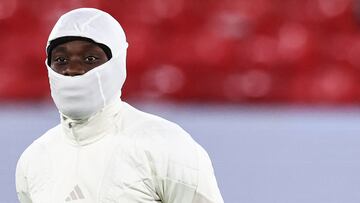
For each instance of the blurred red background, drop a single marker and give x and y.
(259, 51)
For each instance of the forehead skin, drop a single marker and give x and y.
(77, 46)
(89, 55)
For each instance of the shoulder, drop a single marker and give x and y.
(152, 130)
(169, 150)
(135, 118)
(37, 151)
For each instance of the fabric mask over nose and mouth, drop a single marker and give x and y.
(82, 96)
(79, 97)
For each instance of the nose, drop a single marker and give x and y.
(74, 69)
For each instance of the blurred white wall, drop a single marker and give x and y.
(260, 154)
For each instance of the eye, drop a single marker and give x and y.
(91, 59)
(60, 60)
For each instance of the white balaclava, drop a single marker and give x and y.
(80, 97)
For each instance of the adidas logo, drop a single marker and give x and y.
(75, 194)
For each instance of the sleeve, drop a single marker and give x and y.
(207, 190)
(189, 185)
(179, 169)
(21, 184)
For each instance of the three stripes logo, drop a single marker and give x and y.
(75, 194)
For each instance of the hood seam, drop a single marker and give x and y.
(101, 89)
(88, 22)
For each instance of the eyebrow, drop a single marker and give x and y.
(58, 49)
(61, 48)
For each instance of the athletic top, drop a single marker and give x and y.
(120, 155)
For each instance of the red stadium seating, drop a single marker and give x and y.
(259, 51)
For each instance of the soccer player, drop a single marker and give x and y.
(105, 150)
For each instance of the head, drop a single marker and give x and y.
(86, 55)
(72, 56)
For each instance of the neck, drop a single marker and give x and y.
(87, 131)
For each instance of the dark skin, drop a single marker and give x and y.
(76, 57)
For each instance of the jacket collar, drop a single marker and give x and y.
(84, 132)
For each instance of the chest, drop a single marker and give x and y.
(103, 172)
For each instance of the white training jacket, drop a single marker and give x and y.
(120, 155)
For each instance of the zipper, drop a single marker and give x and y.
(71, 127)
(78, 148)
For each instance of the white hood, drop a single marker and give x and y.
(80, 97)
(94, 24)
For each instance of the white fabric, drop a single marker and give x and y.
(94, 24)
(80, 97)
(119, 155)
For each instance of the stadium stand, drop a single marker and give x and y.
(259, 51)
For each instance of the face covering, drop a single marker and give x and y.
(80, 97)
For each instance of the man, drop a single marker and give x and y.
(104, 150)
